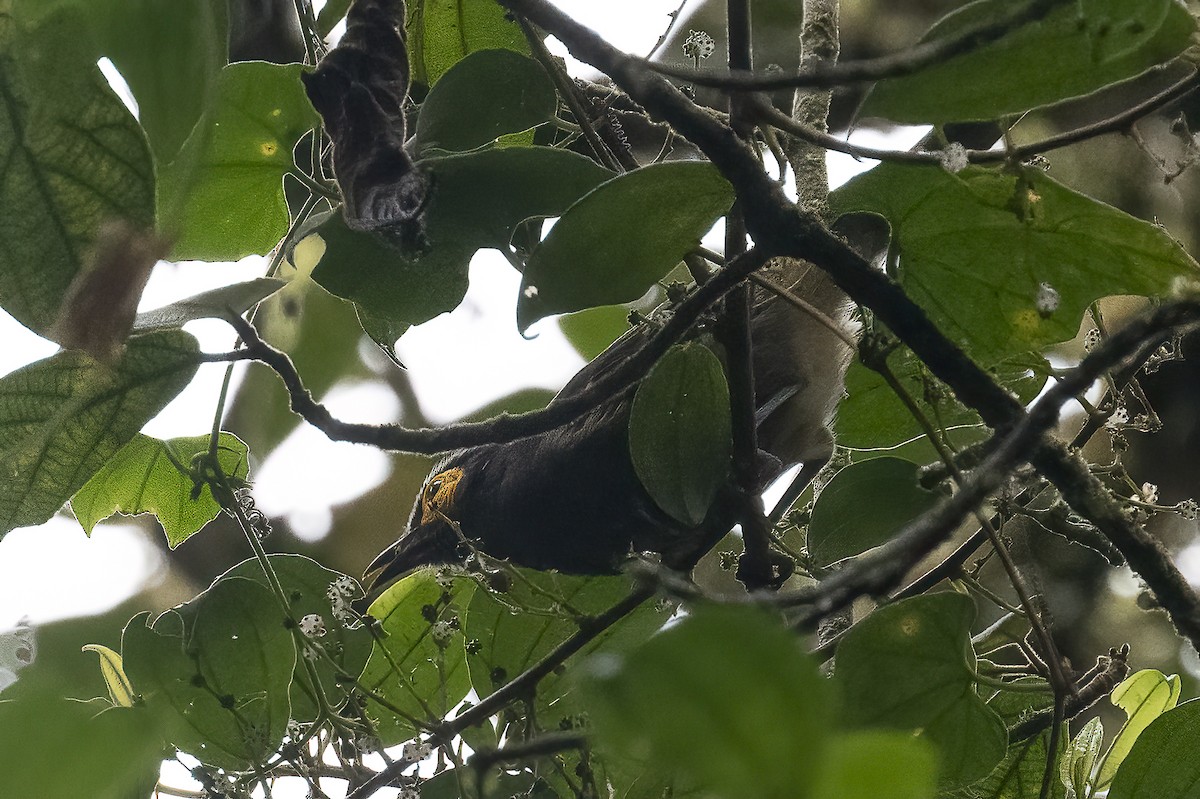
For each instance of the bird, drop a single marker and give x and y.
(569, 499)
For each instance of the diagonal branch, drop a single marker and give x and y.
(881, 570)
(429, 440)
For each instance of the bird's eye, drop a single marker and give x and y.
(433, 486)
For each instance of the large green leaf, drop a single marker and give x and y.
(168, 53)
(910, 666)
(442, 32)
(863, 505)
(56, 747)
(1019, 774)
(513, 630)
(141, 478)
(873, 416)
(1163, 763)
(229, 180)
(1144, 696)
(726, 696)
(72, 159)
(322, 596)
(62, 418)
(486, 95)
(1075, 49)
(218, 670)
(419, 669)
(1006, 263)
(591, 331)
(865, 764)
(618, 240)
(679, 432)
(478, 199)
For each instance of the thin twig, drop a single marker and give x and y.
(519, 685)
(825, 75)
(1118, 123)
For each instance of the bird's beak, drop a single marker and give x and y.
(424, 545)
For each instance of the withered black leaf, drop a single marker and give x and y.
(359, 89)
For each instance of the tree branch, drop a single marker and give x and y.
(505, 427)
(878, 572)
(828, 75)
(518, 686)
(1118, 123)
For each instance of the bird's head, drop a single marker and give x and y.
(432, 536)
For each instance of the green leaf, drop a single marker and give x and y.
(591, 331)
(1065, 54)
(420, 678)
(1162, 763)
(390, 290)
(141, 478)
(56, 747)
(218, 303)
(863, 506)
(478, 200)
(1075, 765)
(442, 32)
(906, 662)
(970, 740)
(1144, 696)
(726, 696)
(62, 418)
(168, 53)
(679, 432)
(617, 241)
(540, 610)
(994, 241)
(1019, 774)
(873, 416)
(874, 763)
(488, 94)
(313, 590)
(120, 691)
(73, 159)
(171, 55)
(233, 203)
(218, 669)
(909, 666)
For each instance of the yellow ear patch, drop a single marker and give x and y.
(437, 498)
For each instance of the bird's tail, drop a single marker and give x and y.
(802, 331)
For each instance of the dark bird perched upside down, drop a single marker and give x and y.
(569, 499)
